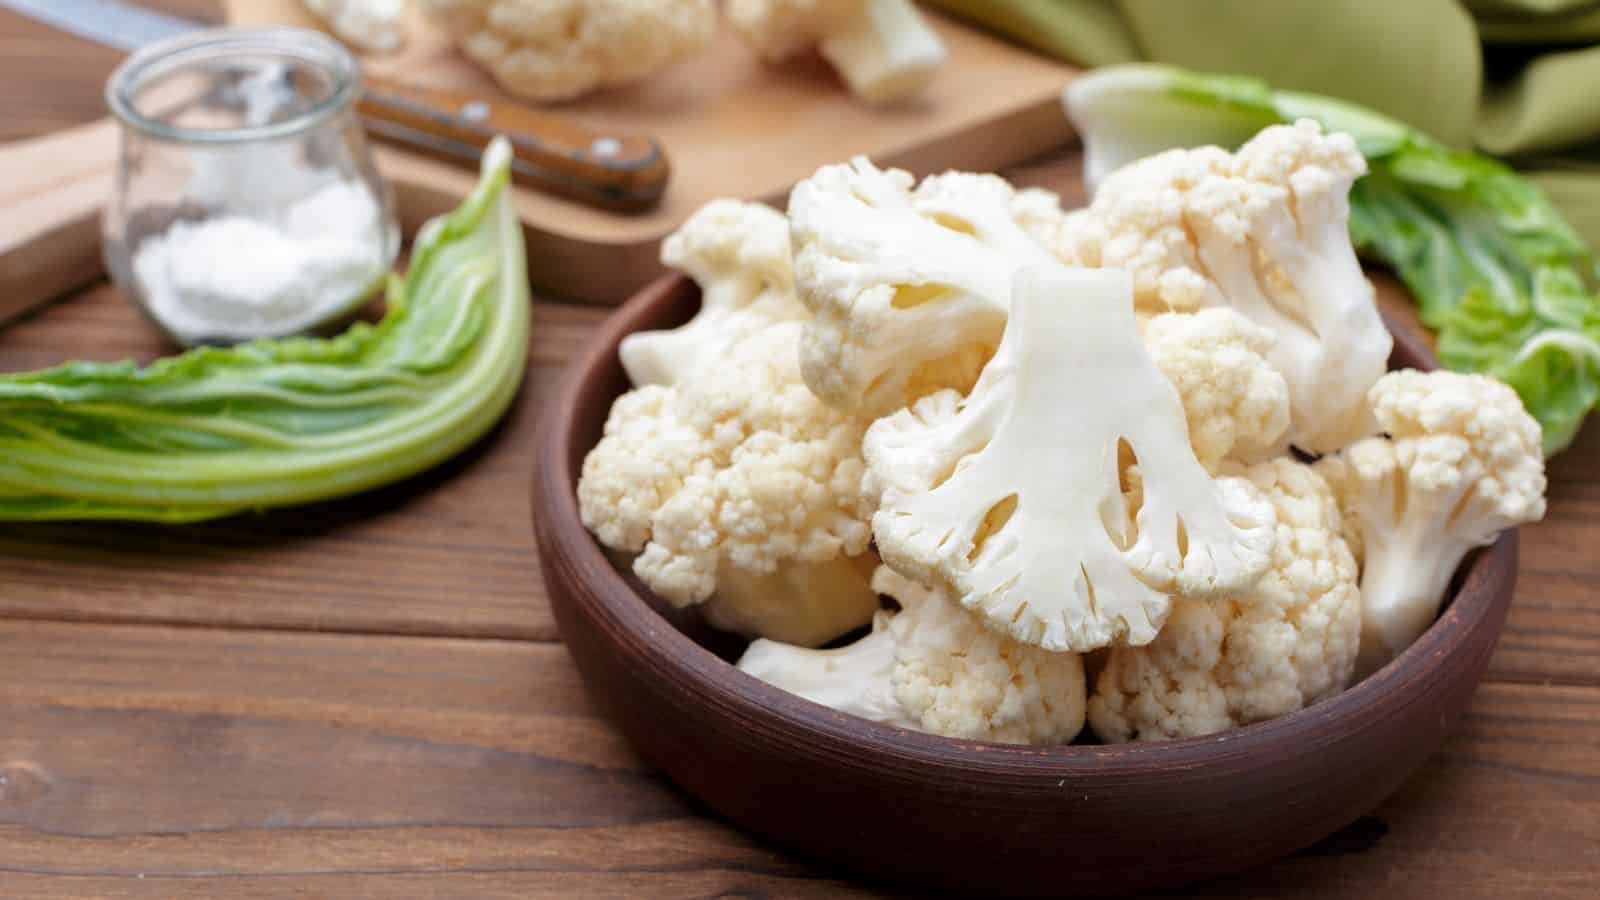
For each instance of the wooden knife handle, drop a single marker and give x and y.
(614, 171)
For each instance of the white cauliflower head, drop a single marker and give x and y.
(1010, 499)
(933, 667)
(1236, 404)
(1265, 231)
(738, 253)
(1461, 463)
(550, 50)
(740, 466)
(882, 49)
(901, 281)
(1284, 643)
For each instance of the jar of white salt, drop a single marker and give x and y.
(246, 204)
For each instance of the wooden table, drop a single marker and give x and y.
(369, 698)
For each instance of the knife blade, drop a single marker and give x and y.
(620, 172)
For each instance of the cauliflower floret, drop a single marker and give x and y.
(1283, 644)
(1236, 404)
(933, 667)
(1337, 473)
(808, 604)
(882, 49)
(739, 466)
(1461, 463)
(369, 24)
(738, 253)
(1265, 231)
(1009, 499)
(901, 280)
(550, 50)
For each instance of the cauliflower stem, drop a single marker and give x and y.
(1460, 464)
(1009, 499)
(885, 51)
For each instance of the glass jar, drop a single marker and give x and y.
(246, 201)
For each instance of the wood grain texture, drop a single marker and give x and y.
(50, 218)
(235, 763)
(54, 80)
(244, 762)
(549, 152)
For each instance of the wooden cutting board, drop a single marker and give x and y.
(732, 127)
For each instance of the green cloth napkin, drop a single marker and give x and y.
(1536, 102)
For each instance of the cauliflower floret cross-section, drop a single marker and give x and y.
(934, 667)
(908, 287)
(1009, 499)
(1462, 461)
(1265, 231)
(740, 466)
(738, 252)
(550, 50)
(1286, 642)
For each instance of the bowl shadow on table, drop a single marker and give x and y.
(807, 779)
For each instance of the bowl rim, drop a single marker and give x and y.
(661, 645)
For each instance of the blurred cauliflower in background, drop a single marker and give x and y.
(1288, 641)
(551, 50)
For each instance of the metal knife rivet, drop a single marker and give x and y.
(605, 146)
(476, 111)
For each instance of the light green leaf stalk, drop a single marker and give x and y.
(217, 431)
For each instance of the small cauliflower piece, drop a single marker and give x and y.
(1461, 463)
(1265, 231)
(551, 50)
(1010, 499)
(1236, 404)
(740, 466)
(807, 604)
(738, 253)
(368, 24)
(934, 667)
(1288, 641)
(908, 287)
(882, 49)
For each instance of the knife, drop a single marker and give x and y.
(619, 172)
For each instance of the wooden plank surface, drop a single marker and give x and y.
(365, 698)
(372, 766)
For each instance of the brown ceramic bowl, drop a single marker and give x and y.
(895, 806)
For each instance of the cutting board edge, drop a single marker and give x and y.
(588, 269)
